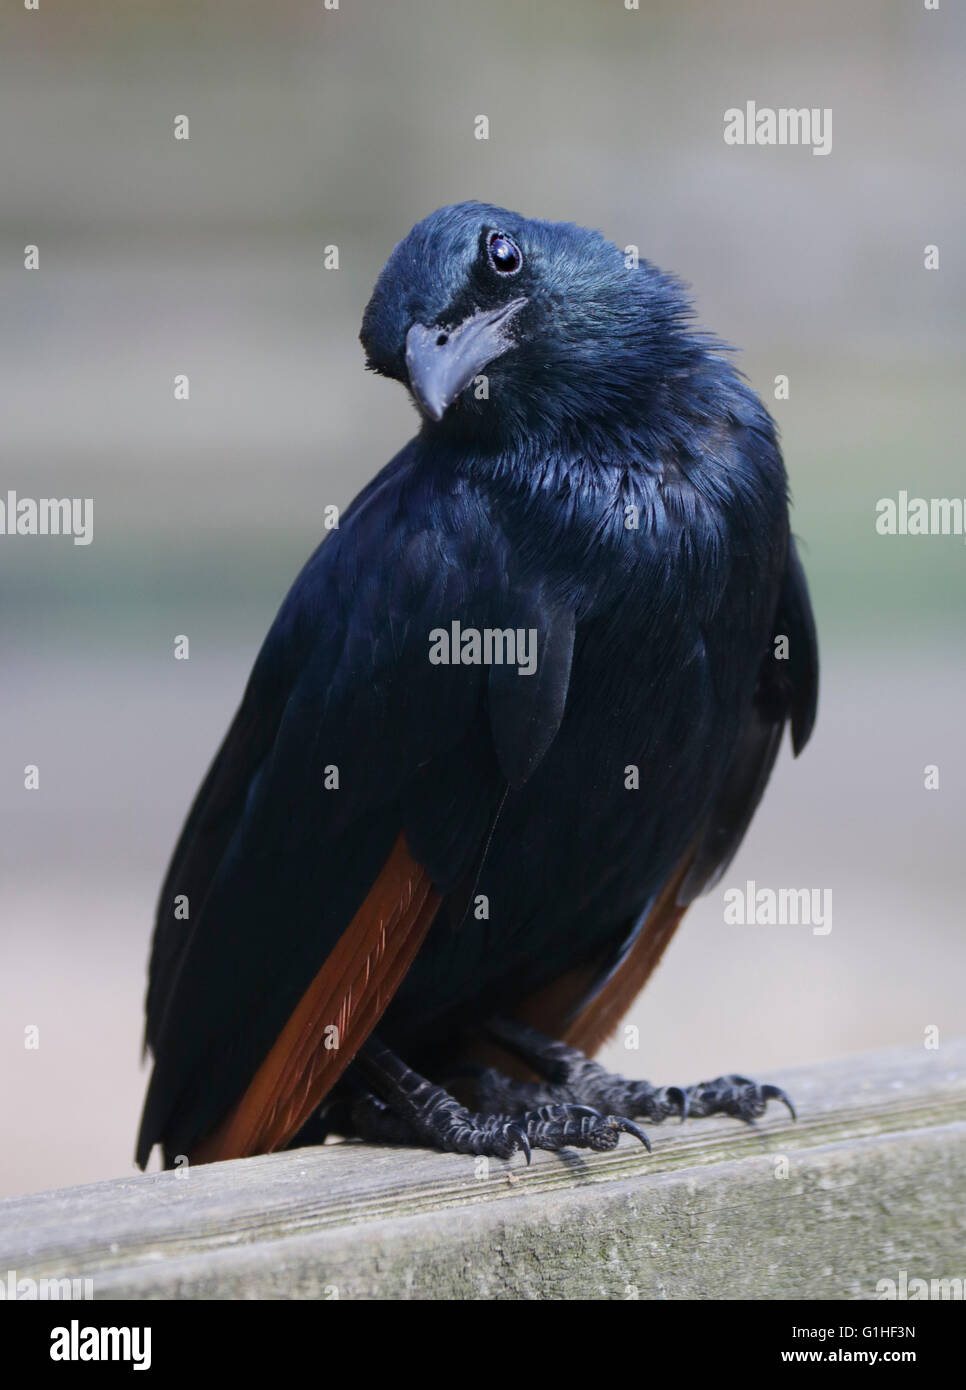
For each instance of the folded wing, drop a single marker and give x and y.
(356, 787)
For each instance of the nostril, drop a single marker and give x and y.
(442, 339)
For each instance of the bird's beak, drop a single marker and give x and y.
(442, 362)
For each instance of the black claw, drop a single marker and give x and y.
(517, 1132)
(776, 1093)
(629, 1127)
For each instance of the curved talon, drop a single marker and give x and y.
(520, 1134)
(776, 1093)
(629, 1127)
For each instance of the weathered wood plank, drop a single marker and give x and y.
(876, 1184)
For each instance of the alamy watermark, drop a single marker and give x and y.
(785, 907)
(914, 1290)
(920, 516)
(47, 516)
(23, 1290)
(488, 646)
(786, 125)
(77, 1343)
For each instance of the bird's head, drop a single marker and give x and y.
(502, 326)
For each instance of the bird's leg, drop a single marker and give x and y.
(572, 1078)
(375, 1120)
(409, 1109)
(569, 1077)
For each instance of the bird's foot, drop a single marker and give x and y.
(569, 1077)
(411, 1110)
(735, 1095)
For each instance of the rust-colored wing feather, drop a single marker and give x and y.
(351, 992)
(586, 1017)
(597, 1023)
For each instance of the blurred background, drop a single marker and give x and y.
(311, 127)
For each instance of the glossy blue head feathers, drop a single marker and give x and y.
(502, 326)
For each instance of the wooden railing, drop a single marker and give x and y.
(868, 1186)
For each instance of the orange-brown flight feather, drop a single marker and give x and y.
(351, 991)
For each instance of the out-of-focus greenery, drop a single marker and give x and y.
(312, 126)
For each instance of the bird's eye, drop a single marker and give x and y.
(505, 255)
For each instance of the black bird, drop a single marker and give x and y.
(514, 715)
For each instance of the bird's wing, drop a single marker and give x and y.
(586, 1006)
(787, 692)
(355, 788)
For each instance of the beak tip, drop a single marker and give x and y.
(430, 406)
